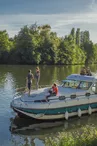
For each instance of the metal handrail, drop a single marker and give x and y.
(41, 101)
(16, 94)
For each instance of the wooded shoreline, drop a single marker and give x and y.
(38, 45)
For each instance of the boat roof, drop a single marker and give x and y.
(79, 77)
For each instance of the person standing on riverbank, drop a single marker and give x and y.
(29, 80)
(37, 77)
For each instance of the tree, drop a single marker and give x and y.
(84, 38)
(89, 49)
(78, 36)
(26, 46)
(73, 34)
(39, 45)
(5, 46)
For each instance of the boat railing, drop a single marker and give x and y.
(17, 94)
(73, 96)
(20, 91)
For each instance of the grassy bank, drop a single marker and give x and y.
(85, 136)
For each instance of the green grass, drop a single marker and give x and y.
(85, 136)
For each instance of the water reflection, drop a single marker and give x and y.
(49, 74)
(28, 130)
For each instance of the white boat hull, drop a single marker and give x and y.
(52, 117)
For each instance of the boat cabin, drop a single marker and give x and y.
(82, 82)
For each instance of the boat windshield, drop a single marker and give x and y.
(77, 84)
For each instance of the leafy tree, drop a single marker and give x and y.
(5, 46)
(84, 38)
(89, 49)
(26, 46)
(39, 45)
(73, 34)
(95, 53)
(78, 36)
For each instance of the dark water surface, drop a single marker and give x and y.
(15, 131)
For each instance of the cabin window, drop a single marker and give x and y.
(71, 84)
(77, 84)
(84, 85)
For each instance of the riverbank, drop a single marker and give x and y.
(85, 136)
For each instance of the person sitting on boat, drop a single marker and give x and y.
(29, 80)
(88, 71)
(53, 91)
(83, 71)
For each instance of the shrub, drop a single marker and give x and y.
(85, 136)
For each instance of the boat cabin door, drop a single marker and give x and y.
(94, 88)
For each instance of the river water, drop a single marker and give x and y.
(15, 131)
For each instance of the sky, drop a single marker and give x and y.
(62, 15)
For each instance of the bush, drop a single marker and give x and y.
(86, 136)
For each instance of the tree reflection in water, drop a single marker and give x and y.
(30, 131)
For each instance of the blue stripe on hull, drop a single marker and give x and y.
(59, 110)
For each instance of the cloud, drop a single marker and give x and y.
(92, 6)
(60, 23)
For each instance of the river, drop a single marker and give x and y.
(16, 131)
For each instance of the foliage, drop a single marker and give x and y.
(39, 45)
(86, 136)
(5, 46)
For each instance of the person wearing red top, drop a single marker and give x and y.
(55, 89)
